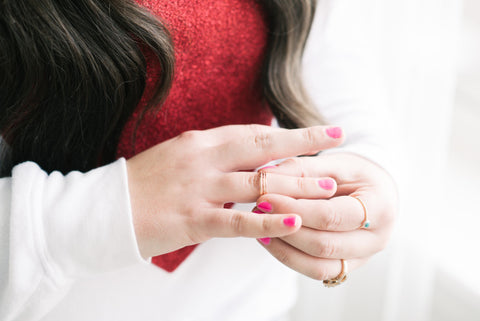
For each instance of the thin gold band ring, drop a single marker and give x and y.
(263, 183)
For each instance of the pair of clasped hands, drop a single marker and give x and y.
(178, 190)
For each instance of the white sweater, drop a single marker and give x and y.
(67, 244)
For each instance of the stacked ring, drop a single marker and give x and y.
(365, 222)
(263, 183)
(342, 277)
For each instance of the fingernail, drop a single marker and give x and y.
(289, 221)
(257, 211)
(268, 167)
(327, 184)
(334, 132)
(265, 206)
(265, 240)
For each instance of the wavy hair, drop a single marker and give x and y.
(72, 72)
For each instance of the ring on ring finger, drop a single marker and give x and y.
(340, 278)
(365, 223)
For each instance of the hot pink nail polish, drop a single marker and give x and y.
(327, 184)
(265, 206)
(289, 221)
(334, 132)
(265, 240)
(257, 211)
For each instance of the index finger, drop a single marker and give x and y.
(234, 223)
(224, 134)
(255, 150)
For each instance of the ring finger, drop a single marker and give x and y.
(342, 213)
(313, 267)
(336, 245)
(247, 186)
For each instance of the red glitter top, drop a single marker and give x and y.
(219, 50)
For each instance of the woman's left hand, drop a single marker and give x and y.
(332, 228)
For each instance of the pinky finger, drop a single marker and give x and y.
(313, 267)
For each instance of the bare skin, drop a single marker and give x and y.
(178, 188)
(331, 228)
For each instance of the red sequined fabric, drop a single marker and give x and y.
(219, 50)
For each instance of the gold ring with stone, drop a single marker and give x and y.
(342, 277)
(365, 222)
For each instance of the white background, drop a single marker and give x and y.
(430, 56)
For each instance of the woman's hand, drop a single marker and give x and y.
(178, 188)
(332, 228)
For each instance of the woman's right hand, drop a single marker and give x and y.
(178, 188)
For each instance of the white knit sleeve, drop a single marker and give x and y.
(343, 75)
(55, 229)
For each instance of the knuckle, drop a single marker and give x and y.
(208, 223)
(326, 249)
(237, 221)
(189, 214)
(191, 136)
(298, 164)
(255, 128)
(310, 137)
(227, 181)
(267, 225)
(262, 140)
(251, 182)
(331, 220)
(300, 182)
(195, 235)
(320, 273)
(283, 257)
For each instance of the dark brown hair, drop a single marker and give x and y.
(72, 72)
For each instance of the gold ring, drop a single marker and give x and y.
(263, 183)
(342, 277)
(365, 222)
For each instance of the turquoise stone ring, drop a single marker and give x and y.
(365, 222)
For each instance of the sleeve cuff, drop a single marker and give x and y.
(83, 222)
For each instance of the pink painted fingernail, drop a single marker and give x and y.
(327, 184)
(334, 132)
(289, 221)
(265, 206)
(265, 240)
(257, 211)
